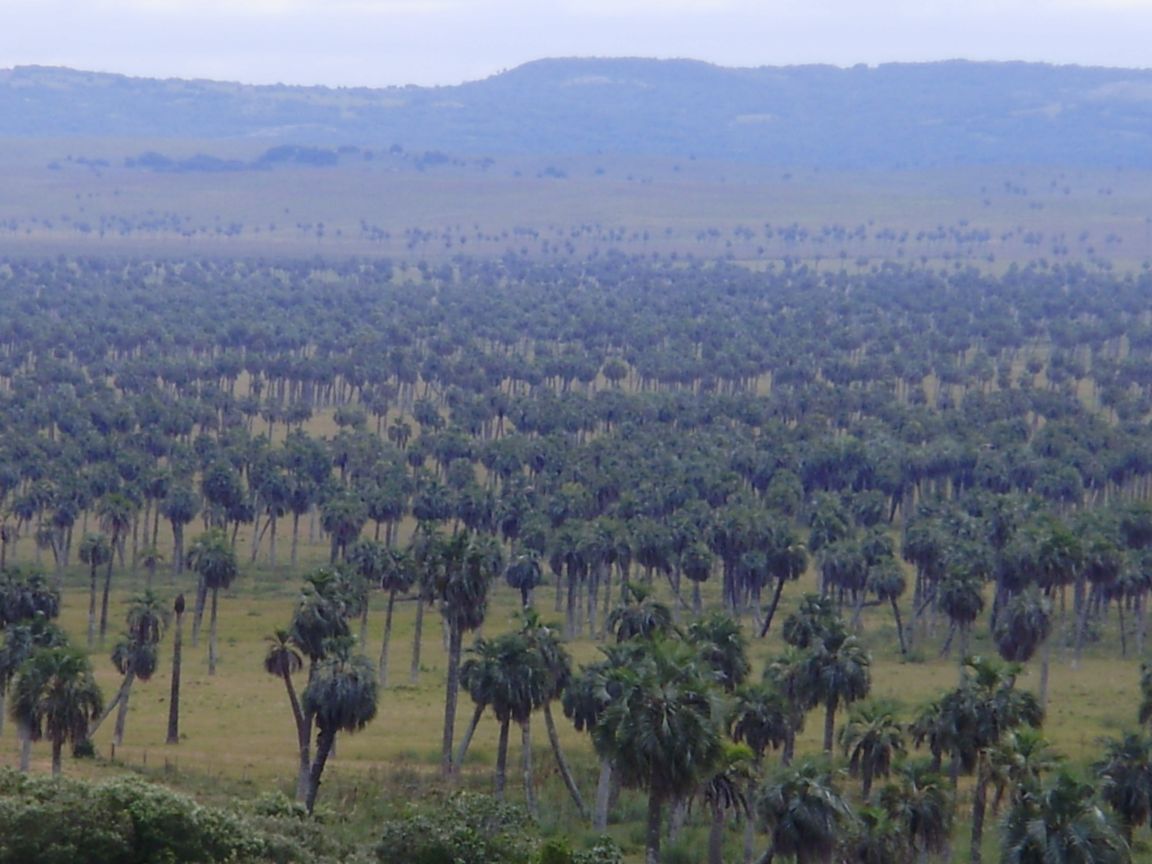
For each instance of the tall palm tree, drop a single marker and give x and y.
(214, 560)
(135, 656)
(887, 581)
(95, 551)
(524, 573)
(283, 660)
(177, 664)
(396, 575)
(342, 697)
(985, 708)
(721, 643)
(787, 559)
(876, 838)
(640, 616)
(116, 513)
(804, 815)
(923, 806)
(546, 642)
(21, 639)
(1023, 625)
(1125, 774)
(871, 739)
(1062, 824)
(837, 668)
(724, 792)
(662, 732)
(507, 675)
(467, 567)
(56, 697)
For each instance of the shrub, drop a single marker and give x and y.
(464, 829)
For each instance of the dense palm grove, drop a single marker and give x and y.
(665, 447)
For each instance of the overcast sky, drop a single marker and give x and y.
(382, 42)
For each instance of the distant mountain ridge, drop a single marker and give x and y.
(917, 115)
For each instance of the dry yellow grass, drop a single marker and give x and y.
(237, 725)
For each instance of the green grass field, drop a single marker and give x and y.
(237, 736)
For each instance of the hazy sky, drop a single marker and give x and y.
(380, 42)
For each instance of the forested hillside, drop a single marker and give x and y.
(934, 115)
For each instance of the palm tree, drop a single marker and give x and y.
(872, 738)
(960, 597)
(720, 641)
(1022, 626)
(524, 573)
(177, 663)
(726, 792)
(887, 581)
(507, 675)
(467, 566)
(214, 560)
(21, 639)
(283, 660)
(837, 670)
(985, 708)
(922, 805)
(1062, 824)
(787, 561)
(876, 838)
(396, 575)
(342, 517)
(804, 815)
(661, 733)
(1125, 775)
(546, 642)
(116, 512)
(95, 551)
(57, 697)
(640, 617)
(135, 656)
(342, 697)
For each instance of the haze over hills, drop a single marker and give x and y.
(934, 115)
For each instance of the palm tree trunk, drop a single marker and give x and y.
(57, 748)
(92, 608)
(25, 747)
(382, 667)
(829, 725)
(652, 832)
(979, 805)
(1045, 664)
(104, 597)
(526, 765)
(603, 796)
(125, 686)
(212, 633)
(295, 538)
(451, 692)
(174, 698)
(772, 609)
(466, 741)
(418, 632)
(899, 625)
(198, 612)
(323, 748)
(303, 739)
(122, 713)
(562, 763)
(716, 836)
(502, 759)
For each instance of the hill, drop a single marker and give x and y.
(933, 115)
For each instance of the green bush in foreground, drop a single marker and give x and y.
(476, 829)
(129, 821)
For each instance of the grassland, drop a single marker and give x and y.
(237, 734)
(79, 196)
